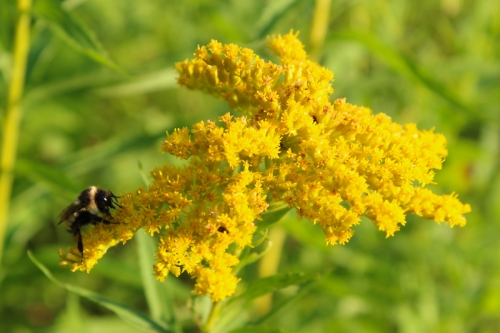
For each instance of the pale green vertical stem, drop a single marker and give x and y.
(212, 318)
(319, 27)
(268, 266)
(13, 114)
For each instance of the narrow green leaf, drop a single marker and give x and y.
(407, 67)
(142, 84)
(96, 156)
(7, 20)
(282, 308)
(270, 284)
(275, 213)
(151, 290)
(250, 256)
(50, 177)
(307, 233)
(74, 316)
(260, 237)
(160, 304)
(71, 84)
(108, 267)
(236, 315)
(72, 31)
(129, 315)
(272, 13)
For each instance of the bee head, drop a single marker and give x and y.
(105, 200)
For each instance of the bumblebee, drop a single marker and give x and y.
(91, 206)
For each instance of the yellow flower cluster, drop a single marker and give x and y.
(332, 162)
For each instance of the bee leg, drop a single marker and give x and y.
(109, 222)
(111, 218)
(96, 219)
(80, 242)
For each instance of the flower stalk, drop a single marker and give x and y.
(319, 27)
(13, 111)
(212, 317)
(268, 266)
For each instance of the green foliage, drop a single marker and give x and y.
(72, 31)
(129, 315)
(85, 122)
(270, 284)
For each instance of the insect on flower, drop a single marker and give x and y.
(90, 207)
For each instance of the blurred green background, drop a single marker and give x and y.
(434, 63)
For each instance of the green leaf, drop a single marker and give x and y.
(275, 213)
(97, 156)
(129, 315)
(73, 318)
(260, 237)
(72, 31)
(67, 85)
(270, 284)
(236, 315)
(272, 13)
(284, 307)
(50, 177)
(160, 304)
(250, 256)
(142, 84)
(407, 67)
(307, 233)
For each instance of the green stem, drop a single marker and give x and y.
(12, 117)
(212, 318)
(268, 266)
(319, 28)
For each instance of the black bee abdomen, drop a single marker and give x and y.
(84, 198)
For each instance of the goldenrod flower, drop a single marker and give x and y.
(332, 162)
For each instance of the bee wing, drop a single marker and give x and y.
(68, 211)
